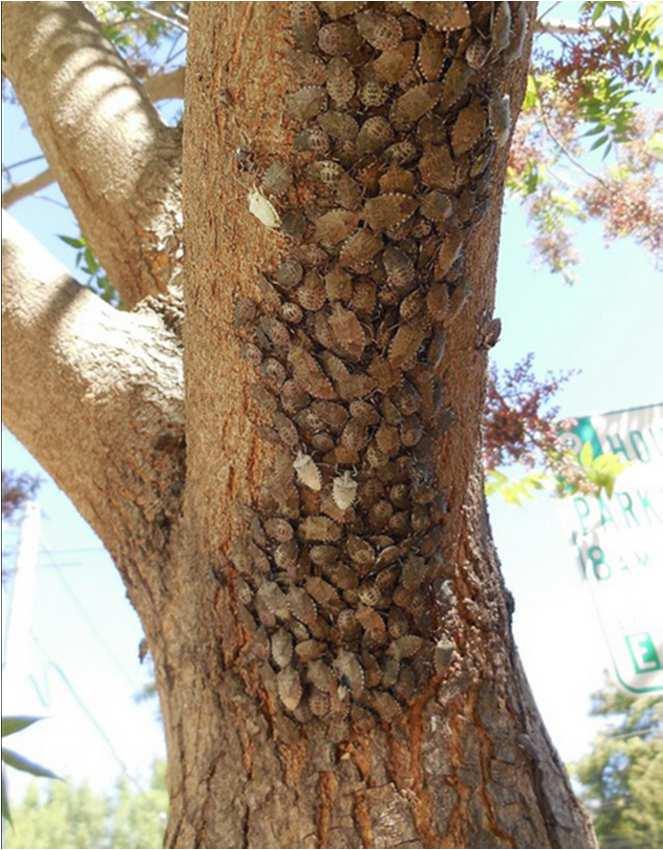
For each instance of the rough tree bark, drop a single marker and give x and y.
(402, 718)
(116, 163)
(159, 87)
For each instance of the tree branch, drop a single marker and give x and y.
(19, 191)
(117, 164)
(94, 393)
(168, 86)
(165, 86)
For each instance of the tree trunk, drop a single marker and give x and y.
(402, 717)
(323, 602)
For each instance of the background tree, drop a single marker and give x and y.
(77, 816)
(369, 746)
(622, 775)
(17, 489)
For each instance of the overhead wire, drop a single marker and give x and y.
(90, 624)
(86, 711)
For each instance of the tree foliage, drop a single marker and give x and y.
(589, 137)
(10, 726)
(68, 815)
(623, 774)
(17, 489)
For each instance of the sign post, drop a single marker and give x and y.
(619, 542)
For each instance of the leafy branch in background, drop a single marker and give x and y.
(139, 30)
(622, 776)
(10, 726)
(521, 426)
(590, 93)
(17, 489)
(97, 280)
(69, 815)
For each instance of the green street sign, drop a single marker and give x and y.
(619, 542)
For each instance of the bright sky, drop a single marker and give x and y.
(608, 325)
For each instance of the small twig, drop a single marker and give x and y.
(561, 145)
(180, 14)
(548, 10)
(159, 17)
(52, 201)
(29, 187)
(174, 44)
(23, 162)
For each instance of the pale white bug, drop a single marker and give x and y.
(344, 490)
(308, 473)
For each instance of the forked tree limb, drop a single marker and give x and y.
(118, 165)
(95, 394)
(168, 86)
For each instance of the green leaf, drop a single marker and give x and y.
(69, 240)
(513, 492)
(6, 813)
(600, 141)
(494, 480)
(19, 762)
(11, 725)
(598, 11)
(593, 131)
(91, 261)
(586, 455)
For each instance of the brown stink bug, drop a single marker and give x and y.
(393, 64)
(415, 103)
(348, 332)
(289, 687)
(381, 31)
(468, 127)
(431, 55)
(309, 375)
(441, 16)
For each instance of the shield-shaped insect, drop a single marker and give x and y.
(499, 116)
(337, 39)
(305, 20)
(340, 80)
(289, 687)
(339, 125)
(407, 341)
(380, 30)
(281, 645)
(438, 168)
(431, 55)
(393, 64)
(320, 529)
(375, 134)
(277, 179)
(415, 103)
(306, 103)
(309, 375)
(344, 490)
(389, 211)
(455, 83)
(500, 31)
(468, 127)
(348, 332)
(336, 225)
(349, 668)
(441, 16)
(263, 209)
(308, 473)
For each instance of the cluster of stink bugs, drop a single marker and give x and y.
(340, 584)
